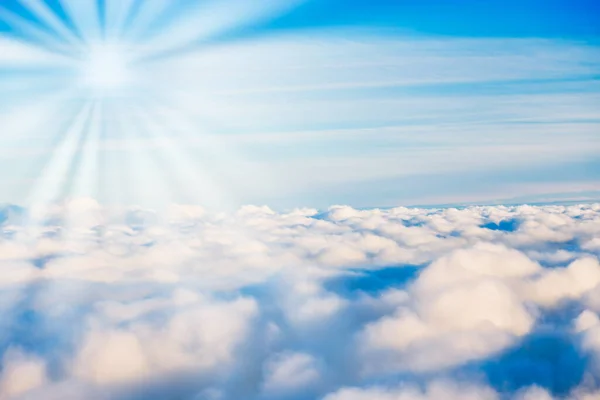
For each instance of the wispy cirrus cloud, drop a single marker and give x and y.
(290, 114)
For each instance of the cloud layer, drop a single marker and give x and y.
(402, 303)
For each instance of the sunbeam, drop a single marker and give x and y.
(41, 9)
(103, 66)
(85, 169)
(52, 180)
(116, 14)
(86, 17)
(210, 99)
(202, 21)
(193, 180)
(32, 32)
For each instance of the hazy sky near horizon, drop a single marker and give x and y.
(299, 102)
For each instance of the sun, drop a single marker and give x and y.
(105, 68)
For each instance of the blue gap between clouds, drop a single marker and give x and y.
(549, 357)
(372, 281)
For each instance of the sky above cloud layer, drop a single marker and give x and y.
(487, 302)
(299, 103)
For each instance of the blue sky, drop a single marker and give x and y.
(511, 18)
(300, 103)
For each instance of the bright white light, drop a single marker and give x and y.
(105, 68)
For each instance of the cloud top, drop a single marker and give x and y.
(400, 303)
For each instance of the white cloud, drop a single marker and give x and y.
(200, 335)
(463, 308)
(434, 391)
(113, 356)
(572, 282)
(534, 393)
(290, 371)
(21, 372)
(264, 304)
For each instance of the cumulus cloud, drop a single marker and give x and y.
(21, 372)
(462, 308)
(401, 303)
(435, 390)
(199, 336)
(290, 371)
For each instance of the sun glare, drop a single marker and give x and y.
(105, 68)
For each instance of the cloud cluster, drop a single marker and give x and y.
(346, 304)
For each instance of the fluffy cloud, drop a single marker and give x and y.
(435, 390)
(473, 303)
(462, 308)
(21, 373)
(401, 303)
(290, 371)
(200, 335)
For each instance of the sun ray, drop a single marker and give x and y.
(205, 20)
(24, 122)
(195, 181)
(112, 160)
(145, 15)
(168, 143)
(86, 17)
(83, 173)
(116, 13)
(42, 10)
(146, 181)
(51, 181)
(44, 38)
(194, 129)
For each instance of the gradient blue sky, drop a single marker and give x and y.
(303, 103)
